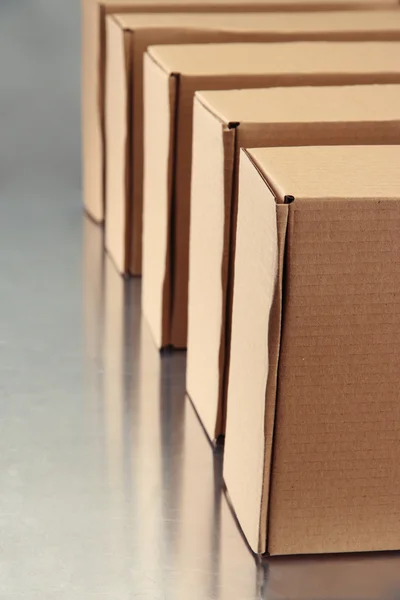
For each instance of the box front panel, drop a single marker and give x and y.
(336, 470)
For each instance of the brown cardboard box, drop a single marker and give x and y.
(172, 75)
(94, 57)
(128, 37)
(312, 454)
(224, 122)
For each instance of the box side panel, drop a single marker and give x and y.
(336, 469)
(92, 57)
(182, 165)
(274, 345)
(181, 186)
(338, 133)
(213, 148)
(255, 283)
(159, 134)
(117, 142)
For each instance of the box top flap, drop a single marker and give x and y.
(265, 4)
(305, 104)
(334, 172)
(289, 58)
(277, 23)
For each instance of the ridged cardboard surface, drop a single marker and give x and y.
(225, 121)
(226, 66)
(94, 61)
(325, 433)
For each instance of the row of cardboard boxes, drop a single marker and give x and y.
(264, 214)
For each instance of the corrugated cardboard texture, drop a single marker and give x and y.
(117, 123)
(241, 66)
(335, 474)
(179, 28)
(254, 118)
(93, 65)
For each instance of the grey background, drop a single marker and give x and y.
(108, 487)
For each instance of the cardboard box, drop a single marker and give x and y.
(224, 122)
(128, 37)
(312, 454)
(94, 58)
(172, 75)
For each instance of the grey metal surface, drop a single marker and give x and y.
(108, 487)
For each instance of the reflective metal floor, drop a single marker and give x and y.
(108, 487)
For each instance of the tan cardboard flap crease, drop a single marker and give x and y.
(312, 454)
(128, 37)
